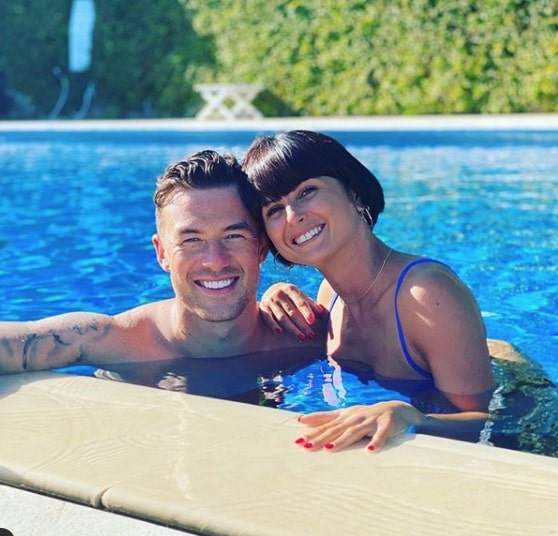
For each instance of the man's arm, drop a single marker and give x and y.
(52, 342)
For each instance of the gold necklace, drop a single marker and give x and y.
(368, 290)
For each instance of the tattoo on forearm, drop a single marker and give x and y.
(27, 346)
(49, 346)
(8, 348)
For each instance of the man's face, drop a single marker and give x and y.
(209, 243)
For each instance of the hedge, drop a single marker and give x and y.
(315, 57)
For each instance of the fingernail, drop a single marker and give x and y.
(312, 336)
(371, 448)
(301, 337)
(300, 441)
(278, 331)
(308, 445)
(310, 318)
(329, 446)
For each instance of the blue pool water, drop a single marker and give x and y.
(77, 218)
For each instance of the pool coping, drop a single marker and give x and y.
(221, 468)
(532, 122)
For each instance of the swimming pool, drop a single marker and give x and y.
(77, 219)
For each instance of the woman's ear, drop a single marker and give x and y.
(160, 251)
(356, 200)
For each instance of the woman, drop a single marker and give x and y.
(404, 317)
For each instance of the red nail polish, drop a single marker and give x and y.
(278, 331)
(312, 336)
(329, 446)
(300, 441)
(301, 337)
(308, 445)
(310, 319)
(371, 448)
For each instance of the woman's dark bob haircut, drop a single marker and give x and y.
(277, 164)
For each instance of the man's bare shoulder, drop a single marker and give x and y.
(155, 313)
(145, 330)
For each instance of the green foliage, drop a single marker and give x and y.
(32, 42)
(334, 57)
(316, 57)
(143, 52)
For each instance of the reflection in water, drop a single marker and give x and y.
(254, 378)
(173, 382)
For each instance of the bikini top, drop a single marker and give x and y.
(415, 366)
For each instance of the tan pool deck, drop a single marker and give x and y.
(224, 468)
(85, 456)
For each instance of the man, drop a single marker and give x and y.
(212, 248)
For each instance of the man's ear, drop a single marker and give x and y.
(160, 251)
(263, 247)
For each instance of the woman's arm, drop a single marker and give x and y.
(338, 429)
(284, 307)
(445, 334)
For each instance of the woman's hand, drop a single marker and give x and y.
(335, 430)
(284, 307)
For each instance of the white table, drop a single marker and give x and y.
(229, 101)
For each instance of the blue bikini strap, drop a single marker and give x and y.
(330, 308)
(402, 341)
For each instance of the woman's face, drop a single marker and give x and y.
(312, 222)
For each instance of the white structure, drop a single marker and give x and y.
(80, 35)
(229, 101)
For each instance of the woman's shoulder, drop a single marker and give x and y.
(413, 268)
(423, 278)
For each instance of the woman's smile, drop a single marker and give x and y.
(308, 235)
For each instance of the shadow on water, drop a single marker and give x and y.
(523, 410)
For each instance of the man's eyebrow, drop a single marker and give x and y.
(241, 225)
(188, 230)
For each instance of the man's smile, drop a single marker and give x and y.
(216, 284)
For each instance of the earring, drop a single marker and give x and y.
(366, 216)
(363, 210)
